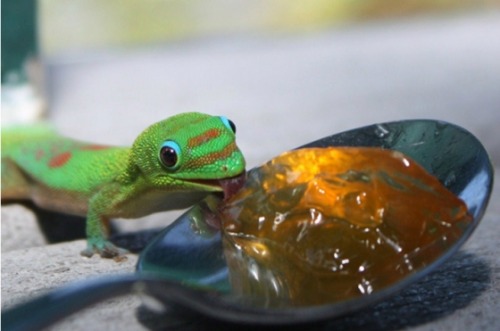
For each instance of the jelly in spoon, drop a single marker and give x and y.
(320, 225)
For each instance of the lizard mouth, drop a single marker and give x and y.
(232, 185)
(229, 186)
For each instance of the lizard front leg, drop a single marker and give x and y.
(97, 229)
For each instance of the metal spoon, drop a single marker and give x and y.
(186, 267)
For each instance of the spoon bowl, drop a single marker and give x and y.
(194, 257)
(185, 265)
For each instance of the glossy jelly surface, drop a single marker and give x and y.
(320, 225)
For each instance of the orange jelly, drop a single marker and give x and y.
(320, 225)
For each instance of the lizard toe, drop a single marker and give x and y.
(105, 249)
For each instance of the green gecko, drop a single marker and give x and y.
(171, 165)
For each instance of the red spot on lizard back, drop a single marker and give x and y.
(59, 160)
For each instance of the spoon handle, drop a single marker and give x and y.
(58, 304)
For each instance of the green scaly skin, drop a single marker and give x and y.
(104, 182)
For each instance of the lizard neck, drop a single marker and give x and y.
(131, 172)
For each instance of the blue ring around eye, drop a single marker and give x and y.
(170, 154)
(228, 123)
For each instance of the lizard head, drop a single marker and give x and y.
(189, 152)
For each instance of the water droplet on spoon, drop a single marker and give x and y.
(381, 131)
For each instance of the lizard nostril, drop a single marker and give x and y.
(224, 168)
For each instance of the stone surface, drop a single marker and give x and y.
(20, 229)
(31, 271)
(28, 273)
(282, 92)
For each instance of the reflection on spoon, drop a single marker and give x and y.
(185, 264)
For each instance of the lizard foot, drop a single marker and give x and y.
(105, 249)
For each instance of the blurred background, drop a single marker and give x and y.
(285, 71)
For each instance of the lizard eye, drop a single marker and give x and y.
(228, 123)
(170, 154)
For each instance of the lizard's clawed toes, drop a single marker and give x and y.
(105, 249)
